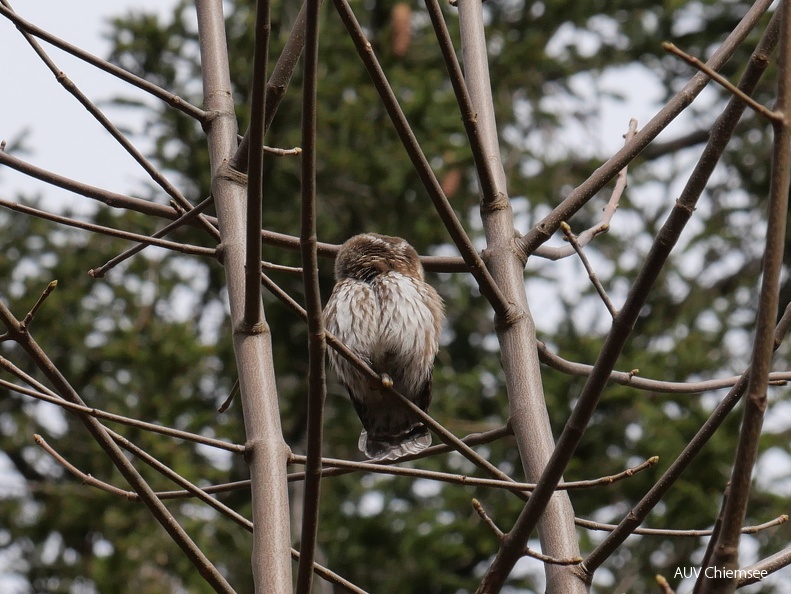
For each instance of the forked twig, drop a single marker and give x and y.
(588, 268)
(603, 226)
(526, 551)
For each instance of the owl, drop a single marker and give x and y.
(384, 311)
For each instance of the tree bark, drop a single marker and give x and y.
(267, 452)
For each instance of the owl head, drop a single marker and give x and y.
(364, 256)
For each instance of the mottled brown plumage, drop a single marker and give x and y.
(384, 311)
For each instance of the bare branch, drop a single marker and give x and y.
(255, 168)
(317, 345)
(772, 116)
(267, 452)
(192, 491)
(158, 510)
(141, 83)
(144, 239)
(99, 116)
(622, 324)
(603, 226)
(632, 378)
(589, 269)
(105, 196)
(770, 565)
(459, 479)
(678, 533)
(721, 133)
(516, 333)
(726, 551)
(44, 294)
(48, 396)
(179, 222)
(527, 551)
(276, 86)
(475, 264)
(582, 194)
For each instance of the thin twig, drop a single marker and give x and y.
(39, 394)
(633, 379)
(772, 116)
(174, 476)
(460, 479)
(145, 239)
(179, 222)
(141, 83)
(489, 191)
(33, 310)
(84, 478)
(603, 226)
(526, 551)
(589, 269)
(664, 587)
(105, 196)
(588, 524)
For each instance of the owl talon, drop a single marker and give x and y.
(387, 381)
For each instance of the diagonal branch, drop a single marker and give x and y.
(680, 101)
(158, 510)
(622, 326)
(489, 289)
(184, 248)
(124, 75)
(99, 116)
(726, 551)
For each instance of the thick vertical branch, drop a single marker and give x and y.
(317, 346)
(267, 453)
(519, 354)
(726, 551)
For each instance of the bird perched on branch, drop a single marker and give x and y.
(383, 310)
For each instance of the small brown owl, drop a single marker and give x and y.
(384, 311)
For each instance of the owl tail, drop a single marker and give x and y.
(382, 447)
